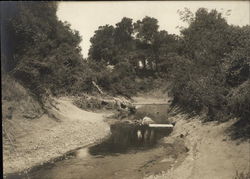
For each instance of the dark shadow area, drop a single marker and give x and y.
(240, 130)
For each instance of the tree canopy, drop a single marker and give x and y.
(42, 51)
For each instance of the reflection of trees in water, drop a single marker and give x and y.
(124, 136)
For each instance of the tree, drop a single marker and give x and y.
(123, 33)
(237, 61)
(237, 67)
(199, 84)
(110, 44)
(102, 45)
(162, 45)
(124, 42)
(45, 50)
(146, 29)
(145, 32)
(205, 39)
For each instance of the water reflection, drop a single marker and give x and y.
(127, 136)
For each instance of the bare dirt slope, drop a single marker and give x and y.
(211, 153)
(43, 139)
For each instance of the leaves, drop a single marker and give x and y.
(46, 50)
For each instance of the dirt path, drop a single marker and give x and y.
(44, 139)
(211, 153)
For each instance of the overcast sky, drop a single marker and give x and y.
(86, 17)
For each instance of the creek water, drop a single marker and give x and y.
(122, 155)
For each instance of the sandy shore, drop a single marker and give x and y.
(43, 139)
(212, 154)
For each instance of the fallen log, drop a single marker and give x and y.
(161, 125)
(97, 87)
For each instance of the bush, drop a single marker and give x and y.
(47, 53)
(239, 100)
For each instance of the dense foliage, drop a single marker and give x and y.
(212, 74)
(218, 56)
(208, 65)
(130, 55)
(39, 50)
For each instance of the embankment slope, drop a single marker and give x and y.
(212, 154)
(43, 139)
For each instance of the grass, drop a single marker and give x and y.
(12, 90)
(17, 100)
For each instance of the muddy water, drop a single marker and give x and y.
(122, 155)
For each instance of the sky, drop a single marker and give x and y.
(86, 17)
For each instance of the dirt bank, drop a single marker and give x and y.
(119, 156)
(211, 153)
(40, 140)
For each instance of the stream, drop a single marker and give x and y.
(121, 155)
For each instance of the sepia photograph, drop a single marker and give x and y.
(125, 89)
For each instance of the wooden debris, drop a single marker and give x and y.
(98, 88)
(161, 125)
